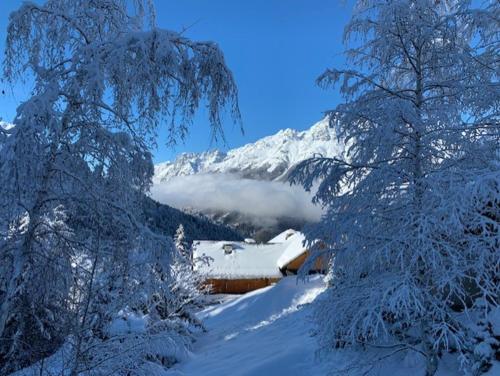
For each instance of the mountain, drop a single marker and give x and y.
(246, 187)
(269, 158)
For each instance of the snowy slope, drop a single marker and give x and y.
(267, 159)
(263, 333)
(268, 332)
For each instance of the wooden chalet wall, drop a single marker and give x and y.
(238, 286)
(293, 266)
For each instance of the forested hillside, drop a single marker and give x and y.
(166, 220)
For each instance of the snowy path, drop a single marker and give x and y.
(265, 332)
(268, 333)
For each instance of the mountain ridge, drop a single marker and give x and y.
(246, 188)
(269, 158)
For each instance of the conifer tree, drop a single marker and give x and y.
(413, 204)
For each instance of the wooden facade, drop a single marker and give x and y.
(244, 285)
(293, 266)
(238, 286)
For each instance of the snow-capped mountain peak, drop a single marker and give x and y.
(269, 158)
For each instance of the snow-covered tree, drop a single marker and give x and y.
(182, 245)
(187, 283)
(413, 204)
(74, 168)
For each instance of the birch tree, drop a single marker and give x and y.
(74, 167)
(413, 204)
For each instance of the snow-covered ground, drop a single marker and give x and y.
(268, 332)
(264, 332)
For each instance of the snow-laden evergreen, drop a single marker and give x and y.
(413, 205)
(188, 285)
(74, 259)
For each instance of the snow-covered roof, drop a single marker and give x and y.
(245, 261)
(249, 260)
(294, 247)
(281, 238)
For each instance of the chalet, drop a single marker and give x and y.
(239, 267)
(295, 253)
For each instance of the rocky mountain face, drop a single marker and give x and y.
(267, 160)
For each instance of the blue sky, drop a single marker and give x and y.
(275, 48)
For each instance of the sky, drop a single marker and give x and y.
(275, 49)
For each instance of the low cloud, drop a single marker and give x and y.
(231, 193)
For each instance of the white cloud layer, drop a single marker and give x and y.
(229, 192)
